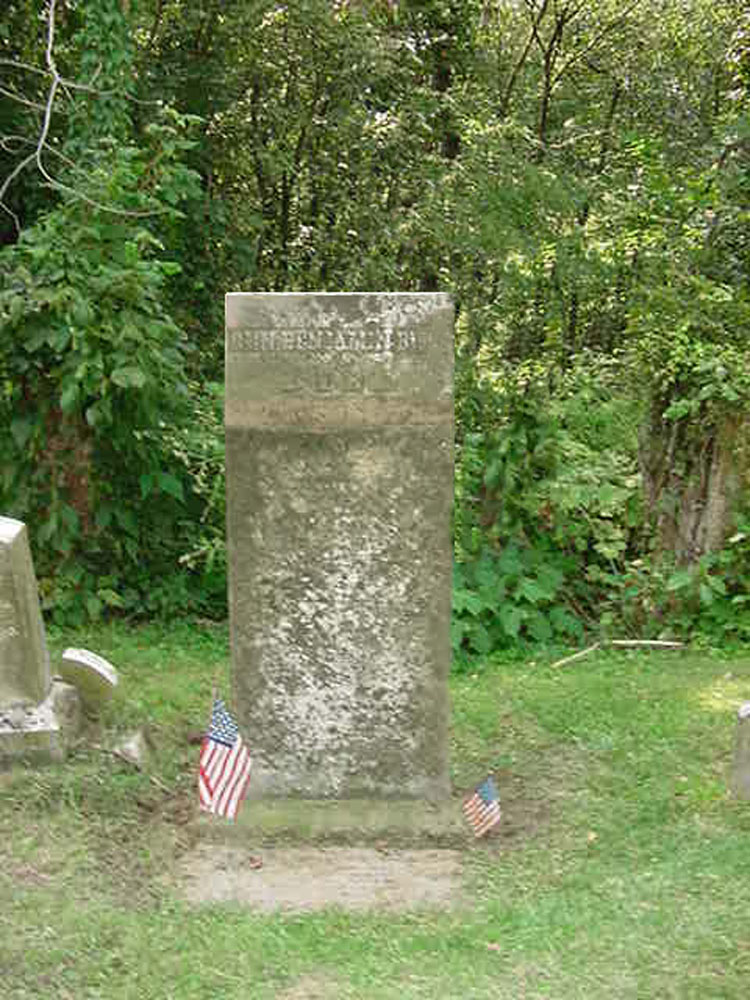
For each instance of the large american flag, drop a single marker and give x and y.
(224, 770)
(482, 808)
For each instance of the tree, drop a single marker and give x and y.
(91, 358)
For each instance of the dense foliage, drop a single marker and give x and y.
(575, 172)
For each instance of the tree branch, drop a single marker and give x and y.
(21, 100)
(576, 56)
(41, 144)
(521, 61)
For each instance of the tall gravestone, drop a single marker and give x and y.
(339, 431)
(29, 726)
(741, 762)
(24, 663)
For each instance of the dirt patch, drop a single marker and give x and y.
(312, 988)
(310, 878)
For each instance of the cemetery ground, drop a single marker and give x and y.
(621, 867)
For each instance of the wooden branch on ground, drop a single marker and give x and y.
(646, 644)
(577, 656)
(621, 644)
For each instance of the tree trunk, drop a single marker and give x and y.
(692, 482)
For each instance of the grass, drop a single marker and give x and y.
(622, 869)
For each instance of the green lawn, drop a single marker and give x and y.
(622, 869)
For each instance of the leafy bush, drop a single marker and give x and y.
(547, 507)
(93, 362)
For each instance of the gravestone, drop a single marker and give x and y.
(29, 725)
(339, 432)
(741, 760)
(94, 678)
(24, 663)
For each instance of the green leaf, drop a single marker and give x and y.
(48, 529)
(93, 607)
(99, 413)
(457, 634)
(129, 377)
(486, 573)
(70, 518)
(103, 516)
(562, 621)
(110, 598)
(480, 638)
(679, 580)
(532, 591)
(460, 595)
(126, 520)
(69, 397)
(473, 604)
(170, 484)
(59, 339)
(21, 429)
(510, 619)
(510, 561)
(539, 627)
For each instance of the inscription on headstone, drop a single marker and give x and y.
(339, 426)
(24, 663)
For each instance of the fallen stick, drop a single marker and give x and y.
(621, 644)
(577, 656)
(648, 643)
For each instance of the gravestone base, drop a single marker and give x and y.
(403, 822)
(30, 734)
(39, 734)
(304, 878)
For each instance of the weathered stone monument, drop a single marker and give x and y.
(741, 761)
(24, 663)
(28, 725)
(339, 428)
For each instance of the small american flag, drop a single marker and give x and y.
(224, 770)
(482, 808)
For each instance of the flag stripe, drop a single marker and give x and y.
(487, 822)
(220, 770)
(226, 778)
(216, 756)
(224, 767)
(239, 784)
(482, 809)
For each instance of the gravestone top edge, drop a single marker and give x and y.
(86, 658)
(321, 361)
(10, 528)
(442, 297)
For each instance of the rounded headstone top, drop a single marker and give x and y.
(94, 677)
(744, 711)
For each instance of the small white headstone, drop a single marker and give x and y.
(94, 677)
